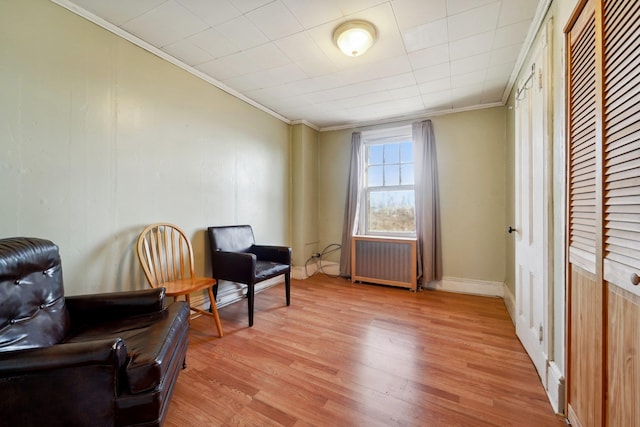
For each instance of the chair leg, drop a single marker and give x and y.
(250, 298)
(214, 311)
(287, 287)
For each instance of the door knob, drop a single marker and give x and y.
(511, 229)
(635, 279)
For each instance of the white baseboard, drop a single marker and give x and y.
(328, 267)
(555, 387)
(468, 286)
(230, 292)
(510, 303)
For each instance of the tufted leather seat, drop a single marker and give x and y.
(98, 360)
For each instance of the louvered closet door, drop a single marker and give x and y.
(621, 129)
(585, 354)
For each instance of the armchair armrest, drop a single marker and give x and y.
(105, 352)
(64, 384)
(234, 266)
(279, 254)
(100, 307)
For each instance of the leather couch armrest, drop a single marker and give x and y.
(105, 352)
(279, 254)
(114, 305)
(64, 384)
(233, 266)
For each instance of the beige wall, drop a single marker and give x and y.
(471, 149)
(99, 138)
(304, 184)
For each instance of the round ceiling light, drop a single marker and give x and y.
(353, 38)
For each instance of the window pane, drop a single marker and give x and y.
(392, 211)
(406, 152)
(374, 176)
(391, 175)
(391, 153)
(406, 174)
(375, 154)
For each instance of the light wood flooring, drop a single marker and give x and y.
(359, 355)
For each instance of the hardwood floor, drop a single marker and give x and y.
(359, 355)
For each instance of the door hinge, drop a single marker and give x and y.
(540, 334)
(540, 78)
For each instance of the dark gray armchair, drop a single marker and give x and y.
(235, 257)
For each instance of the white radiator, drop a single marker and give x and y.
(383, 260)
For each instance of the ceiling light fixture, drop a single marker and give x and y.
(353, 38)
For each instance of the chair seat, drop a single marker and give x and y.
(267, 269)
(188, 285)
(150, 339)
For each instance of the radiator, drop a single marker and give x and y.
(383, 260)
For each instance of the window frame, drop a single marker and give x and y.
(380, 137)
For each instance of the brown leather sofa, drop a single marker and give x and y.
(93, 360)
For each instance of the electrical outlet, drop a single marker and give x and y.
(316, 255)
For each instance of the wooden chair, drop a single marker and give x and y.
(166, 256)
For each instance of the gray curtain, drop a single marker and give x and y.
(351, 206)
(429, 246)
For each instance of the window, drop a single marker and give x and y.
(389, 198)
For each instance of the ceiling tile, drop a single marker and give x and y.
(426, 35)
(430, 56)
(505, 54)
(470, 46)
(435, 85)
(470, 63)
(458, 6)
(241, 32)
(413, 13)
(436, 72)
(165, 24)
(301, 49)
(275, 20)
(188, 53)
(493, 91)
(213, 42)
(349, 7)
(312, 13)
(474, 21)
(472, 78)
(516, 10)
(267, 78)
(248, 5)
(500, 72)
(511, 34)
(468, 96)
(118, 11)
(221, 69)
(437, 100)
(222, 12)
(404, 92)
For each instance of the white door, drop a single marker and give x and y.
(531, 236)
